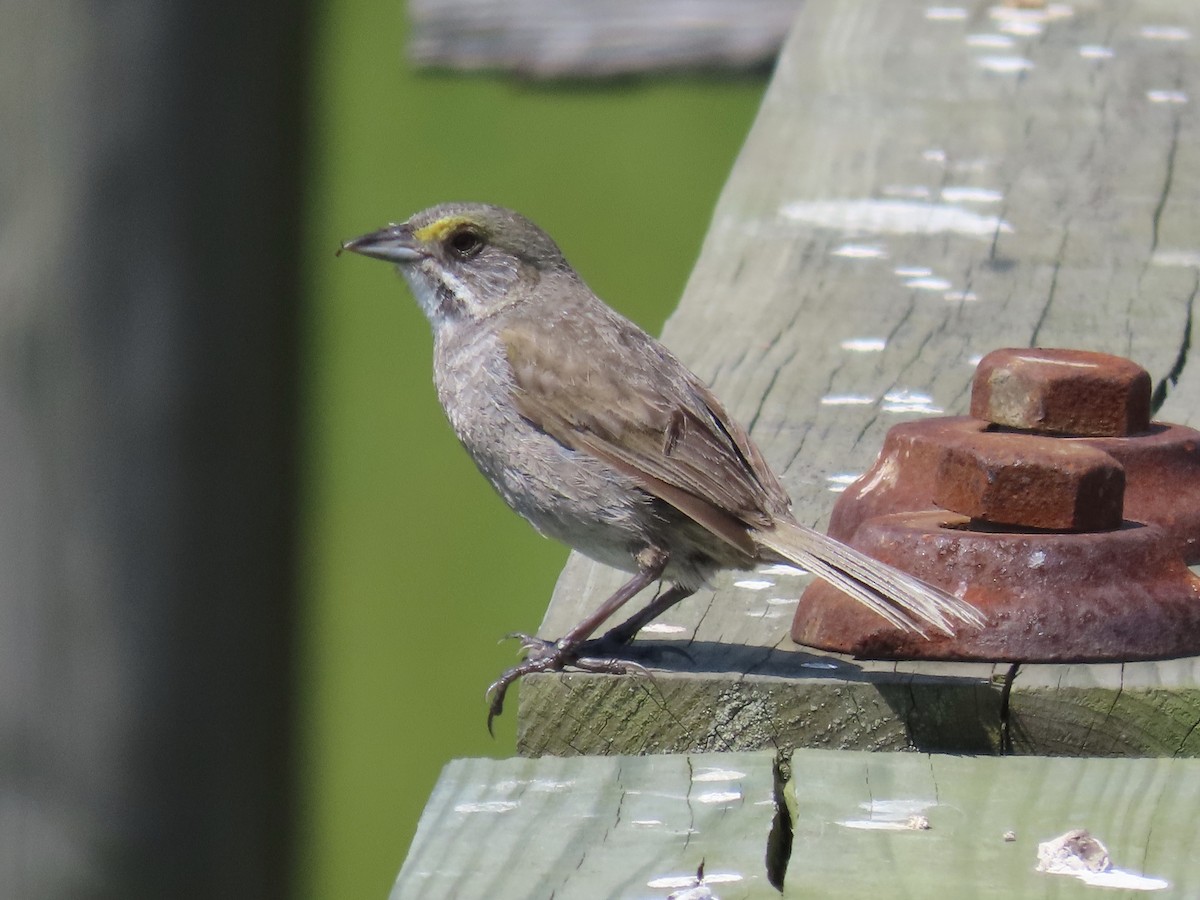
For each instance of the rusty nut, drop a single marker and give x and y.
(1029, 481)
(1064, 392)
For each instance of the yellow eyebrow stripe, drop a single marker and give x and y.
(435, 231)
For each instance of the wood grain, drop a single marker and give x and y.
(598, 827)
(851, 807)
(929, 187)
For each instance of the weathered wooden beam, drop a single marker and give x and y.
(591, 38)
(1135, 709)
(823, 824)
(922, 185)
(986, 817)
(599, 827)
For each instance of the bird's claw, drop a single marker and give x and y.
(534, 647)
(549, 656)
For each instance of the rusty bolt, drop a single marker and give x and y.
(1065, 392)
(1034, 537)
(1030, 481)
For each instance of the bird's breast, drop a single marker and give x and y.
(567, 495)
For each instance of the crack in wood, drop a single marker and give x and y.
(1052, 292)
(910, 714)
(1109, 713)
(1172, 377)
(767, 392)
(1006, 738)
(1187, 737)
(687, 839)
(1168, 178)
(782, 834)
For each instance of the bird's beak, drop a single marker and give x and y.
(394, 244)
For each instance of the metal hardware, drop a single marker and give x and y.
(1064, 392)
(1030, 527)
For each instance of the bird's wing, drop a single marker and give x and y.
(617, 394)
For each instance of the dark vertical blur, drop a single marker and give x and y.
(150, 183)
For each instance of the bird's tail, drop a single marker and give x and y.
(902, 599)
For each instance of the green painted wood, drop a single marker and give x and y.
(626, 827)
(918, 189)
(849, 806)
(596, 827)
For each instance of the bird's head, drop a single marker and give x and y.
(466, 260)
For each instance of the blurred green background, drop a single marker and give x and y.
(413, 567)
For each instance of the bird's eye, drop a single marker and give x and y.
(465, 242)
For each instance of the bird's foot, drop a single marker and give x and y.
(554, 656)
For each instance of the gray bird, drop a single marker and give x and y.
(596, 434)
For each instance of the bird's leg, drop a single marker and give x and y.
(553, 656)
(651, 563)
(620, 635)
